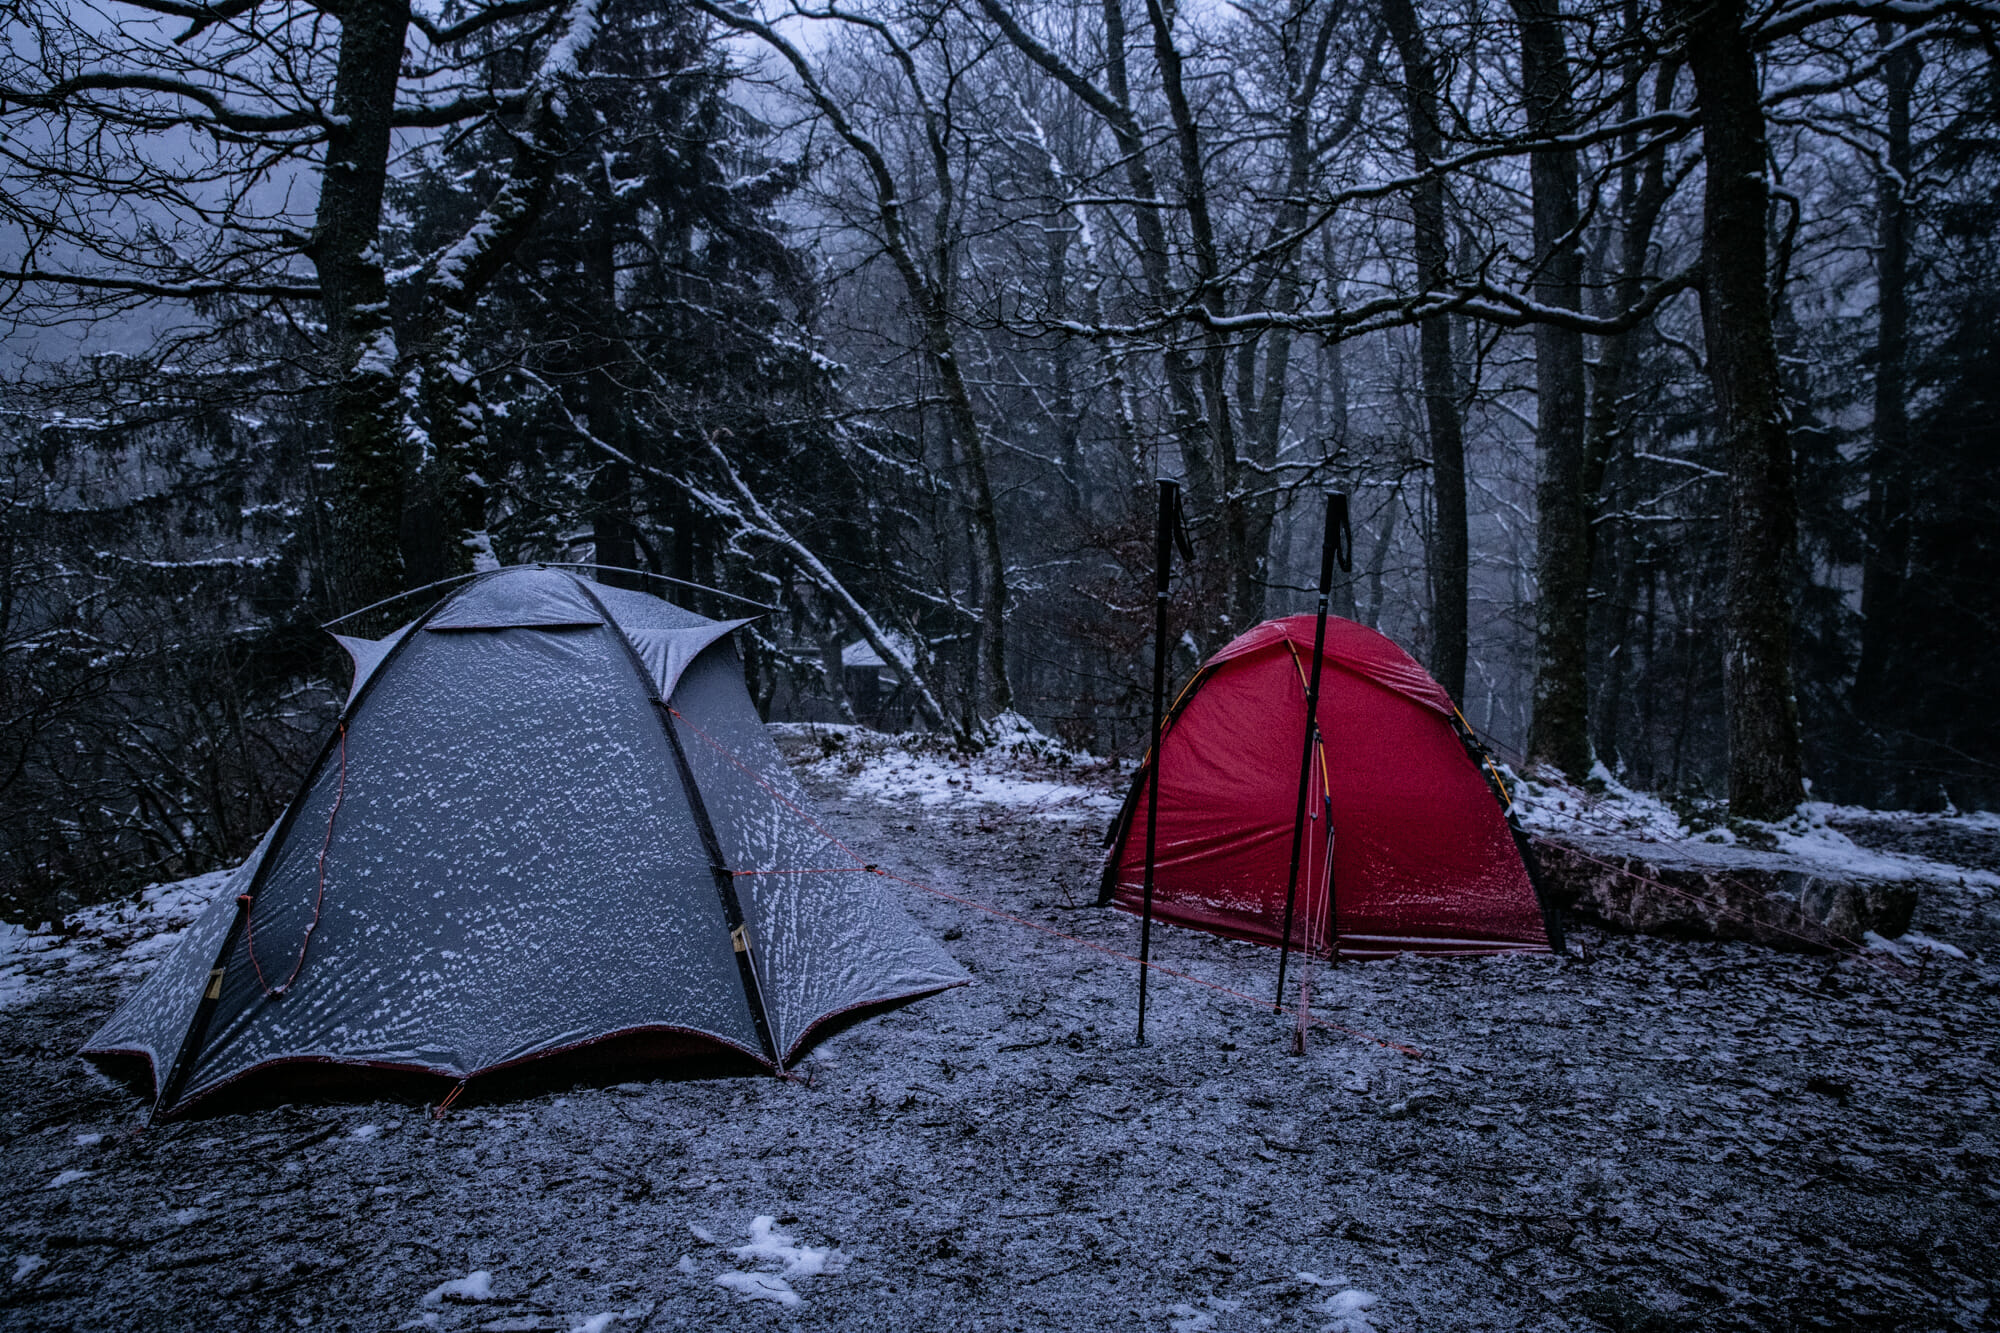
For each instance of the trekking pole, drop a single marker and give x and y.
(1172, 532)
(1336, 541)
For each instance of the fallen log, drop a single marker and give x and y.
(1684, 890)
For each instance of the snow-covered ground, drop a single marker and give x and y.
(1023, 773)
(1640, 1135)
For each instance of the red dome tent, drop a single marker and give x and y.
(1424, 859)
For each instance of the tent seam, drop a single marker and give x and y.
(725, 881)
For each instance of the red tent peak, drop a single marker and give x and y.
(1349, 645)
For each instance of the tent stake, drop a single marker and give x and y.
(1335, 540)
(1171, 532)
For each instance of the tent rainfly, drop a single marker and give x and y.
(1423, 857)
(549, 820)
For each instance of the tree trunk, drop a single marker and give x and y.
(614, 538)
(446, 502)
(1765, 777)
(1558, 733)
(990, 571)
(365, 408)
(1449, 547)
(1886, 555)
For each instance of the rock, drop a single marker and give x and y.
(1715, 891)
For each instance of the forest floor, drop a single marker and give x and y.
(1641, 1135)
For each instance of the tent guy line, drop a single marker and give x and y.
(319, 894)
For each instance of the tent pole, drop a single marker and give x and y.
(1331, 544)
(1171, 531)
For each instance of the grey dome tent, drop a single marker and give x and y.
(549, 821)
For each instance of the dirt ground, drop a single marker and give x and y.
(1643, 1135)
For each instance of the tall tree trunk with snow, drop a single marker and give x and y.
(1276, 281)
(446, 503)
(614, 536)
(365, 407)
(1642, 193)
(1449, 547)
(1887, 513)
(1244, 557)
(1766, 780)
(1558, 732)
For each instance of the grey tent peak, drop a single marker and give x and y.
(666, 637)
(525, 597)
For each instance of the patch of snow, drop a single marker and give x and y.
(17, 946)
(597, 1323)
(1023, 771)
(1195, 1319)
(1809, 837)
(66, 1178)
(1911, 942)
(686, 1265)
(366, 1131)
(1348, 1309)
(122, 939)
(704, 1234)
(1553, 806)
(474, 1286)
(89, 1140)
(799, 1260)
(187, 1216)
(759, 1287)
(1548, 806)
(861, 653)
(25, 1264)
(481, 545)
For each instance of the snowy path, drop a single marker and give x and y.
(1650, 1135)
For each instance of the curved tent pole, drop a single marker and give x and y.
(399, 596)
(664, 578)
(542, 564)
(1336, 541)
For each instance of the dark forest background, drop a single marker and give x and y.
(1657, 341)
